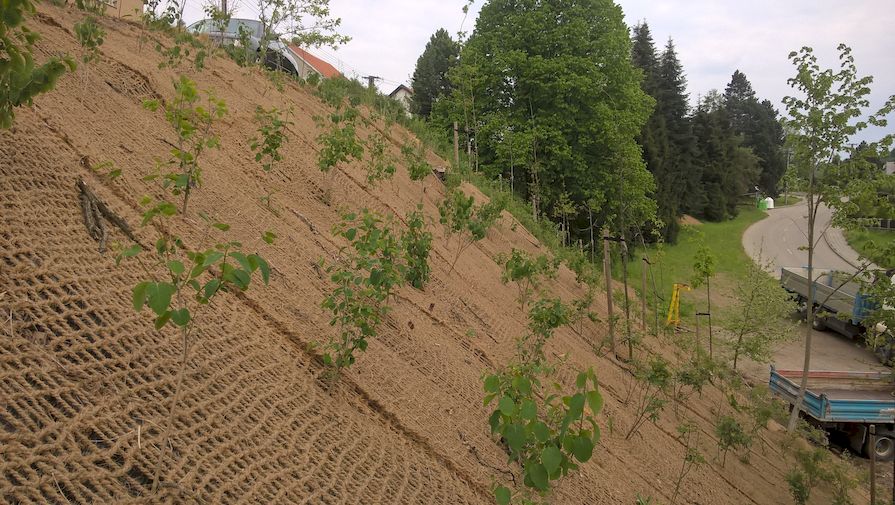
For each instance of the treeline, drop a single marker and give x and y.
(592, 126)
(707, 159)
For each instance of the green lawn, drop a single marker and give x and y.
(787, 200)
(674, 263)
(861, 241)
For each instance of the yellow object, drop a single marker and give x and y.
(674, 309)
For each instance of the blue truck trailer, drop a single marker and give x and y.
(847, 402)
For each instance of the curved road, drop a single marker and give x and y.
(777, 240)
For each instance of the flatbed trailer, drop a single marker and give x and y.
(845, 401)
(848, 306)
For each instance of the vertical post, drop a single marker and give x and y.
(456, 147)
(708, 291)
(224, 7)
(643, 267)
(607, 272)
(627, 299)
(873, 464)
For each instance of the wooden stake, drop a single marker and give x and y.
(643, 294)
(456, 147)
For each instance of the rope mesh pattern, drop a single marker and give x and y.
(85, 381)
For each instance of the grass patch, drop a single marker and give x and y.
(787, 200)
(866, 243)
(674, 263)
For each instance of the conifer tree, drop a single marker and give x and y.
(430, 81)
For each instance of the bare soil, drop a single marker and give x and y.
(85, 381)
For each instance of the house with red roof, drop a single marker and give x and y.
(310, 64)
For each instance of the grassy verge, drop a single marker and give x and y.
(787, 200)
(863, 241)
(674, 263)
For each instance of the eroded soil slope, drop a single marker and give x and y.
(85, 381)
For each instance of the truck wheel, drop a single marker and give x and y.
(885, 448)
(818, 324)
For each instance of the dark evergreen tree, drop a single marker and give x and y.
(682, 183)
(759, 125)
(728, 169)
(430, 80)
(653, 139)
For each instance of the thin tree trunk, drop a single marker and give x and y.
(607, 272)
(803, 384)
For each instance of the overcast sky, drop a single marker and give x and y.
(713, 37)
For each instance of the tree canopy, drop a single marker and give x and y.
(430, 80)
(552, 101)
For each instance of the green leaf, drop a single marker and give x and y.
(211, 288)
(502, 495)
(263, 266)
(222, 226)
(139, 295)
(576, 405)
(130, 252)
(181, 317)
(594, 401)
(582, 448)
(515, 436)
(159, 296)
(551, 457)
(522, 384)
(269, 236)
(528, 410)
(541, 431)
(162, 320)
(492, 384)
(538, 475)
(506, 405)
(176, 267)
(581, 380)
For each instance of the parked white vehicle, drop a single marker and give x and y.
(278, 56)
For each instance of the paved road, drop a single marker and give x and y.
(778, 238)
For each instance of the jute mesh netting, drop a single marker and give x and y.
(85, 381)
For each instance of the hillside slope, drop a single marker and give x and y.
(85, 381)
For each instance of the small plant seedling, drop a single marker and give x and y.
(90, 35)
(460, 216)
(688, 434)
(415, 160)
(271, 136)
(545, 316)
(382, 165)
(651, 383)
(526, 272)
(547, 435)
(731, 436)
(365, 276)
(192, 123)
(189, 282)
(20, 78)
(416, 241)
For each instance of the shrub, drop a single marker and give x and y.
(416, 242)
(90, 36)
(526, 272)
(731, 436)
(545, 434)
(271, 136)
(460, 216)
(192, 123)
(365, 276)
(651, 383)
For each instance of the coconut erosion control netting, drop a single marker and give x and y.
(85, 382)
